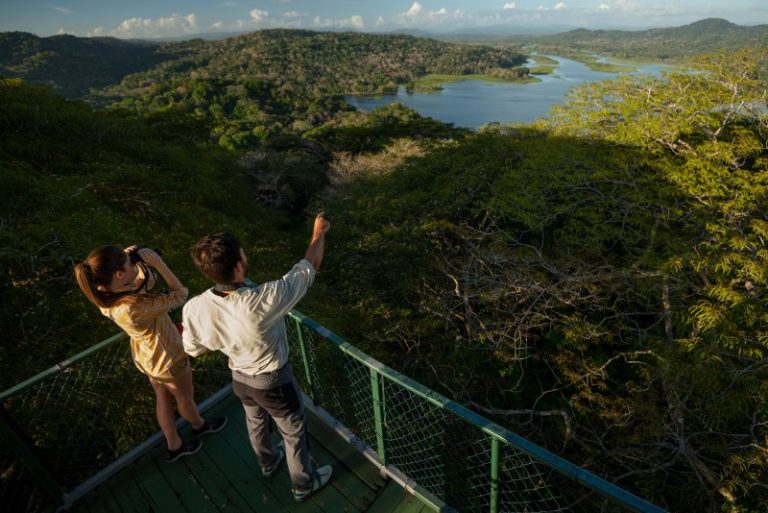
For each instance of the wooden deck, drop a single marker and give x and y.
(224, 476)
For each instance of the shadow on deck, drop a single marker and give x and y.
(224, 476)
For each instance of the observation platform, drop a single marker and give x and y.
(224, 476)
(395, 445)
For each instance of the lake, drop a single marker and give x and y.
(473, 103)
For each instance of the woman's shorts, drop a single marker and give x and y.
(176, 373)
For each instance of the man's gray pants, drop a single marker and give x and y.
(276, 396)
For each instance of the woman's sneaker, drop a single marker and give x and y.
(186, 448)
(322, 476)
(210, 426)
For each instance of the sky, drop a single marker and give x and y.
(148, 19)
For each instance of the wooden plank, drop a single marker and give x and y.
(346, 453)
(349, 485)
(126, 492)
(218, 480)
(328, 499)
(155, 489)
(225, 476)
(345, 492)
(99, 500)
(185, 486)
(410, 504)
(272, 494)
(389, 499)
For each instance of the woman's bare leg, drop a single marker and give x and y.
(165, 414)
(184, 392)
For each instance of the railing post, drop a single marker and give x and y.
(27, 455)
(305, 359)
(377, 395)
(494, 475)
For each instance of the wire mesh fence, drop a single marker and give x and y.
(447, 454)
(84, 416)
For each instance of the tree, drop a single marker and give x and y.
(596, 283)
(707, 131)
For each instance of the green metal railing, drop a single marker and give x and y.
(450, 453)
(71, 427)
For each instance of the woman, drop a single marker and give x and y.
(118, 282)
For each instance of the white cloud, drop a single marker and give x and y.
(355, 22)
(416, 16)
(60, 32)
(559, 6)
(626, 6)
(510, 5)
(257, 15)
(217, 25)
(293, 14)
(97, 32)
(174, 25)
(415, 10)
(380, 22)
(63, 10)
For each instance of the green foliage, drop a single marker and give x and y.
(255, 86)
(72, 65)
(598, 282)
(707, 130)
(75, 179)
(286, 172)
(608, 267)
(357, 133)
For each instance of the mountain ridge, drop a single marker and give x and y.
(675, 43)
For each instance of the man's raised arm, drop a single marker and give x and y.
(316, 247)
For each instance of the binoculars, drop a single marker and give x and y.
(136, 258)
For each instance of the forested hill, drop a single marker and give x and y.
(597, 282)
(326, 62)
(74, 65)
(675, 43)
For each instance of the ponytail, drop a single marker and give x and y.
(94, 275)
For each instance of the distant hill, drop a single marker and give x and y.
(676, 43)
(413, 32)
(74, 65)
(327, 62)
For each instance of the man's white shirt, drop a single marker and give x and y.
(247, 325)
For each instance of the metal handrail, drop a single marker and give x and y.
(378, 371)
(498, 433)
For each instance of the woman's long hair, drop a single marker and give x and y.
(97, 270)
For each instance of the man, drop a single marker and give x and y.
(246, 324)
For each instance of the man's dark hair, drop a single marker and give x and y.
(216, 256)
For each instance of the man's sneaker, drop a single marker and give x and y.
(322, 476)
(210, 426)
(271, 470)
(186, 448)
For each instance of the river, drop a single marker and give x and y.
(473, 103)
